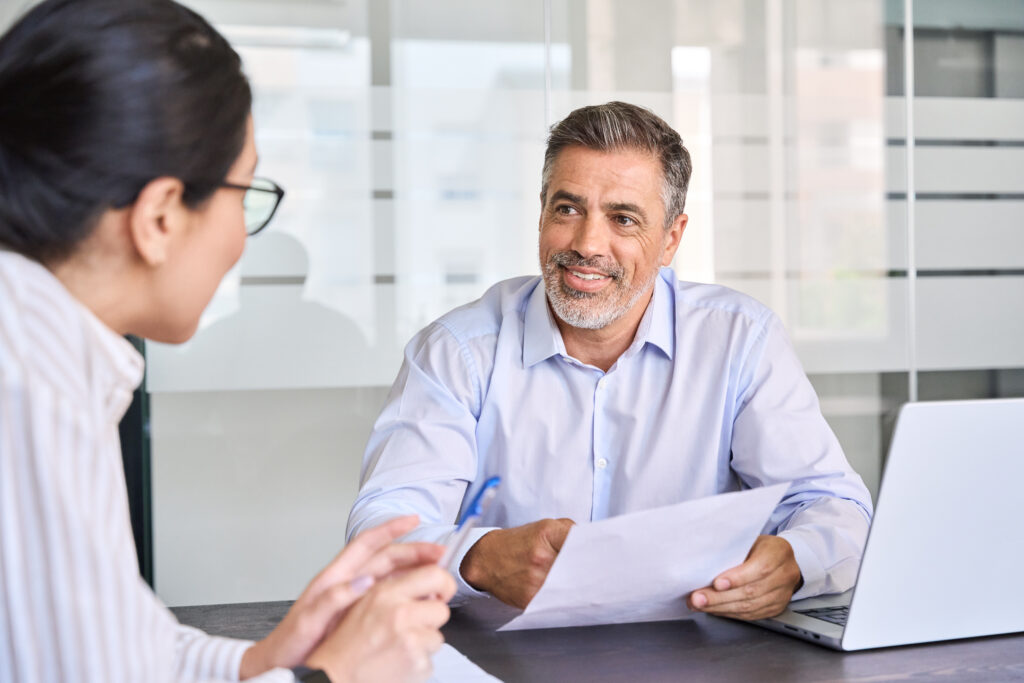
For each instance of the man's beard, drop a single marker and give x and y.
(591, 310)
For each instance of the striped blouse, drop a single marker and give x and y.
(72, 604)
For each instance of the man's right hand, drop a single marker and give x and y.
(511, 564)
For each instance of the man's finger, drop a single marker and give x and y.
(557, 538)
(708, 598)
(765, 556)
(766, 605)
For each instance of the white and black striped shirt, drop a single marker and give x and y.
(72, 604)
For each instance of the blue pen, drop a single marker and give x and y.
(470, 518)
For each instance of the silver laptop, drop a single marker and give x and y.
(946, 546)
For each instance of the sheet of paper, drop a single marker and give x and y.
(639, 567)
(451, 666)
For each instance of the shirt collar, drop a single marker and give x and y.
(117, 366)
(658, 326)
(542, 339)
(110, 365)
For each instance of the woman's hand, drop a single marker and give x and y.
(391, 633)
(369, 558)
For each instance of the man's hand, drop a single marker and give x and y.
(761, 587)
(511, 564)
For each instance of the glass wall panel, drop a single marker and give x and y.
(258, 423)
(969, 174)
(782, 107)
(409, 136)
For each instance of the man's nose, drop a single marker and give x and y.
(590, 238)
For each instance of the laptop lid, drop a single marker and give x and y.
(947, 539)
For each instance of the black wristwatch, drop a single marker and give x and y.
(306, 675)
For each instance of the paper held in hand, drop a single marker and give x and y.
(641, 566)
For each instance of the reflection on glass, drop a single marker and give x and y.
(411, 134)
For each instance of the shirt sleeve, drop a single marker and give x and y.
(72, 604)
(422, 453)
(201, 657)
(780, 435)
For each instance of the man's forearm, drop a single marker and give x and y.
(828, 539)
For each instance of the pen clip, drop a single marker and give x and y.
(470, 517)
(481, 500)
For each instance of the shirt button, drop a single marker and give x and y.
(602, 463)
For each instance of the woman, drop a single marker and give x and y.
(126, 153)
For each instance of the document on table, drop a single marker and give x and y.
(640, 566)
(451, 666)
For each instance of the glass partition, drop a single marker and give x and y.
(410, 136)
(968, 190)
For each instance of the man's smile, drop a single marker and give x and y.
(585, 279)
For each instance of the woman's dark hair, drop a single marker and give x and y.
(98, 98)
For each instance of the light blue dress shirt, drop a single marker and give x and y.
(709, 398)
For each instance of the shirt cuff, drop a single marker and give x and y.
(811, 569)
(234, 650)
(229, 663)
(465, 592)
(275, 676)
(235, 662)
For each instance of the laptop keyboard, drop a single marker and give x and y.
(834, 615)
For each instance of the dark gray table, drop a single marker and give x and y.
(701, 649)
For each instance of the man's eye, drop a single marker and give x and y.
(625, 221)
(565, 210)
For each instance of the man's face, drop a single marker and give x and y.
(603, 235)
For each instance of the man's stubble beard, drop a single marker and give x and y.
(586, 310)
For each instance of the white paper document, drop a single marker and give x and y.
(640, 566)
(451, 666)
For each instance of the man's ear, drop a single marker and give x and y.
(675, 234)
(156, 217)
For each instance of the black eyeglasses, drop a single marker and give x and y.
(261, 201)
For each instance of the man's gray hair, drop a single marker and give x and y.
(618, 126)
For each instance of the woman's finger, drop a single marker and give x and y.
(333, 601)
(398, 556)
(346, 564)
(421, 583)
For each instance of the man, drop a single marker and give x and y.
(607, 386)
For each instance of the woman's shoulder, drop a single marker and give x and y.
(40, 330)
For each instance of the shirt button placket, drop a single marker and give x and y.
(599, 504)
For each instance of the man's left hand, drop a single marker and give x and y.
(761, 587)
